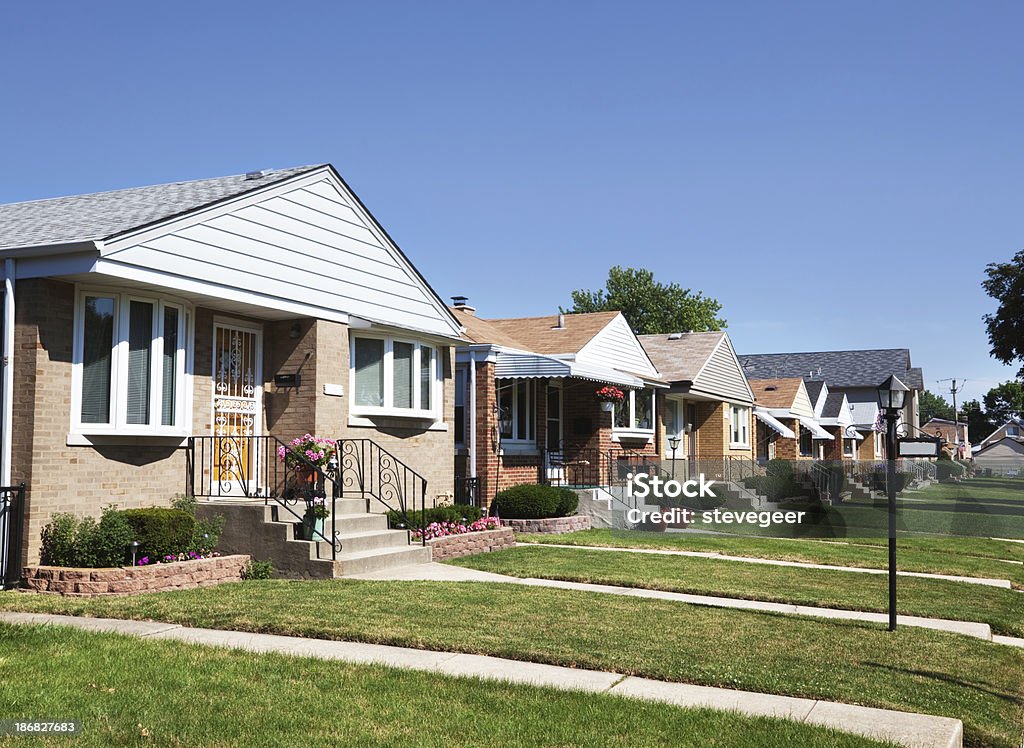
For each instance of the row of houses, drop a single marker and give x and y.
(139, 322)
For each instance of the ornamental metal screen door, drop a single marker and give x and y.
(237, 405)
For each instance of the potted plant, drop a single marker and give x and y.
(314, 519)
(610, 396)
(306, 453)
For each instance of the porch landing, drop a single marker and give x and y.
(267, 532)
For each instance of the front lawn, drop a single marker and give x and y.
(128, 692)
(959, 556)
(911, 670)
(1002, 609)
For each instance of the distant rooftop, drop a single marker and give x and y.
(864, 368)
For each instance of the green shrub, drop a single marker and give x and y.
(948, 469)
(258, 570)
(58, 540)
(70, 541)
(161, 531)
(457, 513)
(568, 502)
(528, 501)
(207, 531)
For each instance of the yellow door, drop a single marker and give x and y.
(237, 406)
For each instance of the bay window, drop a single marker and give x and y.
(636, 412)
(129, 364)
(391, 376)
(740, 430)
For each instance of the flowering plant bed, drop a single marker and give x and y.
(173, 559)
(317, 450)
(444, 529)
(610, 394)
(471, 543)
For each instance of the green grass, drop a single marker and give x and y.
(1002, 609)
(960, 556)
(910, 670)
(128, 692)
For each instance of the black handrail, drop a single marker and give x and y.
(12, 517)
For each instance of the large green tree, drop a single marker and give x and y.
(934, 406)
(1005, 284)
(1004, 402)
(649, 306)
(979, 425)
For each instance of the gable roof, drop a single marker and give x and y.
(813, 388)
(482, 331)
(681, 359)
(835, 405)
(843, 369)
(542, 334)
(1000, 433)
(104, 215)
(776, 393)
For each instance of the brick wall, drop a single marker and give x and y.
(471, 543)
(133, 580)
(789, 449)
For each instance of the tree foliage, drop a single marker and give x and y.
(1005, 284)
(979, 425)
(934, 406)
(1004, 402)
(650, 307)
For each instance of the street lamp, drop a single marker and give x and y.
(891, 394)
(673, 441)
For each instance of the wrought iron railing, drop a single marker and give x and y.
(12, 516)
(467, 491)
(264, 467)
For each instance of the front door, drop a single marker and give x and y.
(237, 407)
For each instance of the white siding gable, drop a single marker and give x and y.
(307, 240)
(802, 403)
(618, 347)
(722, 376)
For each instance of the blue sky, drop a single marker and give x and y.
(838, 175)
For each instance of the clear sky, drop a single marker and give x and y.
(838, 175)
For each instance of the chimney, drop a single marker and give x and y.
(461, 304)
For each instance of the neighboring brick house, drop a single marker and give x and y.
(709, 403)
(138, 318)
(952, 434)
(787, 428)
(833, 413)
(526, 405)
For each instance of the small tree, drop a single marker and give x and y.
(979, 425)
(934, 406)
(650, 307)
(1005, 284)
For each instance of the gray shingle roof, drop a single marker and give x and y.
(813, 389)
(840, 369)
(833, 405)
(102, 215)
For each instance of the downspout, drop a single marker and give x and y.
(8, 373)
(472, 414)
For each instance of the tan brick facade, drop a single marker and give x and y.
(138, 471)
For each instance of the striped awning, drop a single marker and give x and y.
(817, 432)
(522, 365)
(773, 423)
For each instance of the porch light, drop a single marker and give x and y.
(673, 442)
(505, 420)
(891, 394)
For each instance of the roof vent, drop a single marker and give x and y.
(561, 322)
(675, 336)
(770, 388)
(251, 175)
(462, 303)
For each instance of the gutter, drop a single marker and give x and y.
(45, 250)
(7, 417)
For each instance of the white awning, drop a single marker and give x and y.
(521, 365)
(773, 423)
(817, 431)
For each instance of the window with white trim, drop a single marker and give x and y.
(393, 376)
(516, 422)
(1013, 431)
(739, 416)
(636, 413)
(129, 365)
(849, 447)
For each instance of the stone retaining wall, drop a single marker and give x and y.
(133, 580)
(470, 543)
(550, 526)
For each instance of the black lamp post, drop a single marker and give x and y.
(673, 441)
(891, 394)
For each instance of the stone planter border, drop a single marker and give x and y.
(471, 543)
(550, 526)
(133, 580)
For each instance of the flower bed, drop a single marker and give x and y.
(471, 543)
(132, 580)
(551, 525)
(444, 529)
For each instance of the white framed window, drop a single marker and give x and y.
(393, 376)
(516, 414)
(1013, 431)
(130, 364)
(739, 421)
(636, 413)
(849, 447)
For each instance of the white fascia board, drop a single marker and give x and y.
(205, 288)
(52, 266)
(93, 246)
(363, 323)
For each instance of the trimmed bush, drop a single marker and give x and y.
(568, 502)
(70, 541)
(948, 469)
(528, 501)
(161, 531)
(207, 531)
(457, 513)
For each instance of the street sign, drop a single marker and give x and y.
(919, 447)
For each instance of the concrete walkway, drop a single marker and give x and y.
(435, 572)
(1003, 583)
(903, 728)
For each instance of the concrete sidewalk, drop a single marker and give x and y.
(985, 581)
(446, 573)
(903, 728)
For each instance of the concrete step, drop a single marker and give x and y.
(362, 562)
(356, 542)
(360, 522)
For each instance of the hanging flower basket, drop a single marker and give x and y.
(609, 397)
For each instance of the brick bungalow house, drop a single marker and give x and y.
(787, 428)
(270, 303)
(526, 405)
(708, 406)
(953, 434)
(833, 413)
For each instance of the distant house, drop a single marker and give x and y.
(787, 428)
(1003, 450)
(833, 413)
(952, 434)
(709, 403)
(526, 403)
(855, 373)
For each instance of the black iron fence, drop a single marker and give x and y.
(264, 467)
(12, 517)
(467, 491)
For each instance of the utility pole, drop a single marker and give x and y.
(953, 390)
